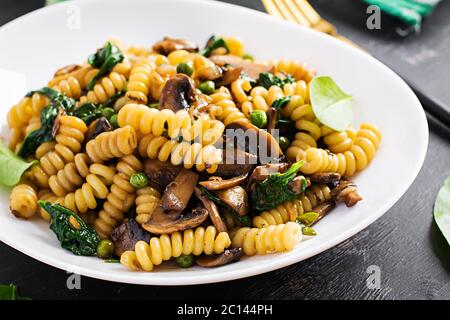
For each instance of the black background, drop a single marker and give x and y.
(405, 243)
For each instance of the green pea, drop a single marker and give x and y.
(114, 121)
(308, 218)
(248, 57)
(154, 105)
(258, 118)
(108, 112)
(284, 143)
(139, 180)
(105, 249)
(207, 87)
(186, 67)
(308, 231)
(185, 261)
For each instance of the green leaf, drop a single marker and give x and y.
(46, 91)
(82, 241)
(442, 210)
(105, 59)
(212, 44)
(11, 166)
(10, 292)
(275, 189)
(330, 104)
(281, 103)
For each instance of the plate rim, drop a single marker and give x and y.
(257, 269)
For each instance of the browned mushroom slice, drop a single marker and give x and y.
(229, 76)
(346, 191)
(298, 184)
(271, 119)
(167, 45)
(161, 172)
(263, 172)
(236, 198)
(206, 69)
(127, 235)
(236, 162)
(178, 93)
(217, 183)
(250, 68)
(98, 126)
(325, 177)
(212, 210)
(265, 147)
(323, 209)
(162, 222)
(67, 69)
(228, 256)
(179, 191)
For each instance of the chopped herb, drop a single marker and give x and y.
(267, 79)
(212, 44)
(105, 59)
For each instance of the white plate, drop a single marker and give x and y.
(37, 44)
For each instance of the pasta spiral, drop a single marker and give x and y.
(203, 157)
(23, 201)
(146, 200)
(290, 210)
(139, 82)
(300, 71)
(68, 142)
(71, 87)
(195, 242)
(157, 122)
(112, 144)
(349, 162)
(229, 112)
(121, 197)
(279, 238)
(106, 88)
(338, 141)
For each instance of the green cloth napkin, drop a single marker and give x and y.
(410, 12)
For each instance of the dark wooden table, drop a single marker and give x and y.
(412, 255)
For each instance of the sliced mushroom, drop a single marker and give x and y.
(236, 162)
(217, 183)
(263, 172)
(271, 119)
(250, 68)
(326, 177)
(179, 191)
(162, 222)
(228, 256)
(161, 172)
(178, 93)
(212, 210)
(236, 198)
(127, 235)
(323, 209)
(67, 69)
(206, 69)
(167, 45)
(98, 126)
(229, 76)
(297, 184)
(346, 191)
(255, 141)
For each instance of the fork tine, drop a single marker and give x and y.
(284, 11)
(271, 8)
(310, 13)
(299, 16)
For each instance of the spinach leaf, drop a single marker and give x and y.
(105, 59)
(11, 166)
(10, 292)
(59, 103)
(212, 44)
(81, 239)
(281, 102)
(442, 210)
(330, 104)
(267, 79)
(88, 112)
(275, 189)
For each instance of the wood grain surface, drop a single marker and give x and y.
(412, 255)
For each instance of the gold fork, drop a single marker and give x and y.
(301, 12)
